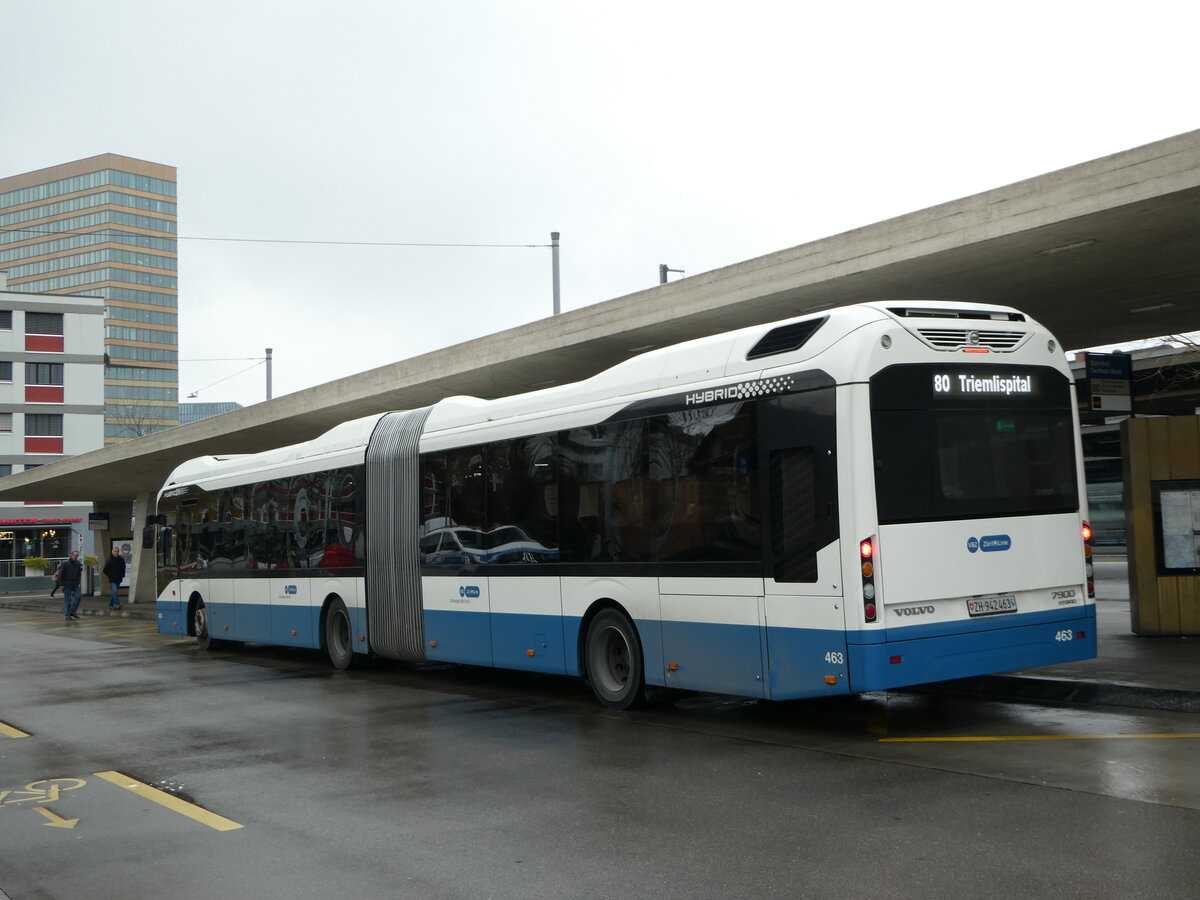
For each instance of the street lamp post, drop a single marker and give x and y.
(554, 271)
(663, 270)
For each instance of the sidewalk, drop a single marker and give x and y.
(88, 606)
(1147, 672)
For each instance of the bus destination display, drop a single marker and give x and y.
(966, 383)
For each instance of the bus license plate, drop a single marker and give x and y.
(991, 606)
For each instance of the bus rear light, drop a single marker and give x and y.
(976, 350)
(866, 550)
(1086, 532)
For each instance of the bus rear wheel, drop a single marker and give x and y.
(614, 661)
(339, 644)
(200, 625)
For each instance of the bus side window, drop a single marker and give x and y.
(793, 514)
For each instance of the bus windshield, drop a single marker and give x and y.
(941, 452)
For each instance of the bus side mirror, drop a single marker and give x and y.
(148, 537)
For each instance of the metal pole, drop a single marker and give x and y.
(268, 373)
(554, 266)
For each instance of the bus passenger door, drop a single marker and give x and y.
(712, 634)
(805, 621)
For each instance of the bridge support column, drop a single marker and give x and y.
(120, 528)
(143, 586)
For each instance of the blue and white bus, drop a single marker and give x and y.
(881, 495)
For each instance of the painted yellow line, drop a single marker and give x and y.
(128, 630)
(203, 816)
(9, 731)
(1037, 737)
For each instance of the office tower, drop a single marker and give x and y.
(106, 227)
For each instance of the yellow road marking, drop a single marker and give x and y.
(9, 731)
(128, 630)
(1036, 737)
(203, 816)
(56, 821)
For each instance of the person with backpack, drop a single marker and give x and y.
(114, 571)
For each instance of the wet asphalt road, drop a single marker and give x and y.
(432, 782)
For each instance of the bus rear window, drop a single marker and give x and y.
(972, 456)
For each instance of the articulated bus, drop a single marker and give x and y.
(878, 496)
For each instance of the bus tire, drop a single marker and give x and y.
(613, 655)
(204, 639)
(339, 641)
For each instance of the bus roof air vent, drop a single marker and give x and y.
(928, 312)
(960, 338)
(785, 338)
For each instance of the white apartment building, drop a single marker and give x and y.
(51, 406)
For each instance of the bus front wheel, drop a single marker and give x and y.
(338, 641)
(614, 661)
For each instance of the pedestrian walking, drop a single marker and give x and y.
(114, 571)
(57, 578)
(72, 578)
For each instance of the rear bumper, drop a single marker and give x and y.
(911, 656)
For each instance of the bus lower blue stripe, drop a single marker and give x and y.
(1039, 641)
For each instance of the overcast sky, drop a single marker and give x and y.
(695, 134)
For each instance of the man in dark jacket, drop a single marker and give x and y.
(72, 576)
(114, 571)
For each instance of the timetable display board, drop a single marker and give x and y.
(1177, 526)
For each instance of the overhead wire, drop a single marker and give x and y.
(260, 361)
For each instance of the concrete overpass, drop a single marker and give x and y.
(1105, 251)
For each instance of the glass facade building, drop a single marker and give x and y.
(106, 227)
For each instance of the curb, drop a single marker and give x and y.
(1057, 690)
